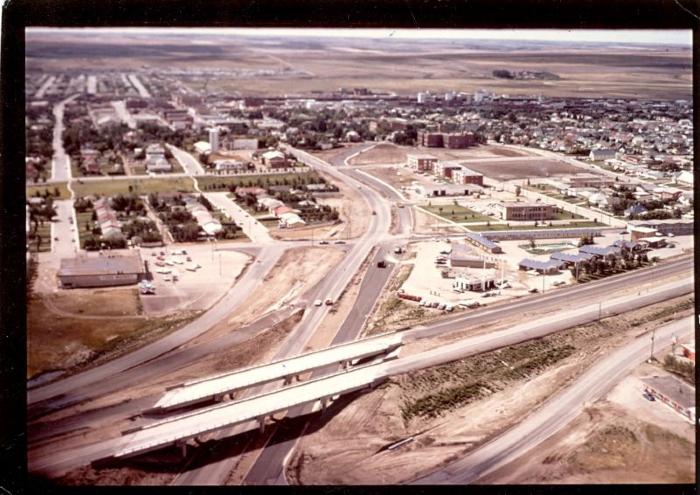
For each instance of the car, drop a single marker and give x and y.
(533, 291)
(381, 264)
(671, 234)
(340, 242)
(648, 396)
(374, 212)
(182, 251)
(162, 253)
(329, 302)
(318, 302)
(401, 205)
(55, 238)
(323, 242)
(189, 258)
(486, 294)
(154, 253)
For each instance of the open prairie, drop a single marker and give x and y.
(322, 64)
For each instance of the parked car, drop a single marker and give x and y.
(329, 302)
(374, 212)
(533, 291)
(648, 396)
(189, 258)
(318, 302)
(340, 242)
(381, 264)
(323, 242)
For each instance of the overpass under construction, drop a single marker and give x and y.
(176, 430)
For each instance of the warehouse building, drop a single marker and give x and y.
(483, 243)
(101, 271)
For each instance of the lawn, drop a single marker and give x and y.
(83, 219)
(112, 187)
(457, 213)
(45, 232)
(63, 192)
(565, 215)
(218, 183)
(570, 225)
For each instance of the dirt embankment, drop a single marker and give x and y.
(451, 409)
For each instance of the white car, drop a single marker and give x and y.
(318, 302)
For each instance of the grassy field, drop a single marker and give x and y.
(457, 213)
(56, 341)
(63, 192)
(570, 225)
(216, 183)
(82, 219)
(112, 187)
(45, 232)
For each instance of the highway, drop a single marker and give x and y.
(265, 472)
(557, 412)
(332, 286)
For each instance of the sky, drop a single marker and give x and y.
(676, 37)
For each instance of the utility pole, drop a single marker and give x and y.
(653, 335)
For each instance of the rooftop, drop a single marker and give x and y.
(101, 265)
(673, 388)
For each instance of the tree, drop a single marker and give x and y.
(533, 245)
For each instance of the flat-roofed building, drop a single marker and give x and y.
(421, 163)
(430, 139)
(465, 175)
(590, 180)
(525, 211)
(101, 271)
(461, 256)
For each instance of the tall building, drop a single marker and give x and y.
(214, 139)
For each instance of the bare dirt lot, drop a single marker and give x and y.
(449, 409)
(382, 153)
(522, 169)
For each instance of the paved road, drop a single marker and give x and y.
(270, 464)
(68, 390)
(60, 164)
(143, 92)
(44, 87)
(332, 286)
(187, 161)
(255, 230)
(557, 412)
(124, 114)
(63, 227)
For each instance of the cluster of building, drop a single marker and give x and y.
(287, 217)
(156, 160)
(210, 225)
(451, 140)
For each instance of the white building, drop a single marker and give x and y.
(214, 139)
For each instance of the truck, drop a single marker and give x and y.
(398, 250)
(381, 264)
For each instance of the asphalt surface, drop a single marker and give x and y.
(283, 441)
(187, 161)
(62, 229)
(332, 286)
(256, 231)
(557, 412)
(60, 165)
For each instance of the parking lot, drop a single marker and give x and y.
(194, 289)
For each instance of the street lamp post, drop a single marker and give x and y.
(651, 354)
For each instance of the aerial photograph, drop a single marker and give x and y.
(285, 256)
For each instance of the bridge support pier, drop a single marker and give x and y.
(345, 364)
(324, 404)
(288, 380)
(261, 423)
(183, 449)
